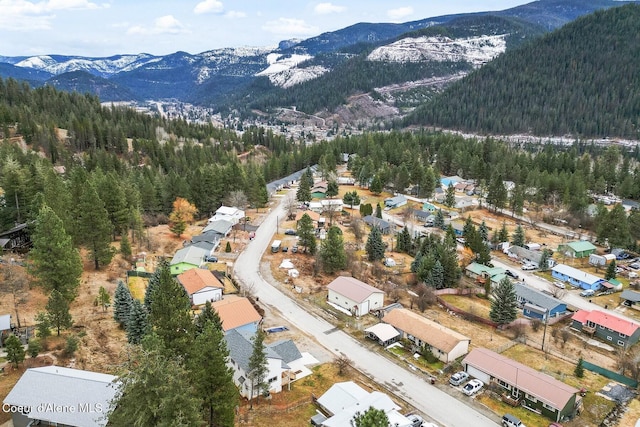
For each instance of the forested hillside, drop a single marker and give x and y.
(582, 80)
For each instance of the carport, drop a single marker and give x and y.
(383, 333)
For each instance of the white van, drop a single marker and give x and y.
(509, 420)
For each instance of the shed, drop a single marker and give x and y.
(577, 249)
(354, 296)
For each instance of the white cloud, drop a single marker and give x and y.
(326, 8)
(209, 6)
(290, 27)
(399, 13)
(163, 25)
(235, 14)
(28, 15)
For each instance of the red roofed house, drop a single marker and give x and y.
(607, 327)
(201, 285)
(446, 344)
(237, 313)
(354, 296)
(524, 385)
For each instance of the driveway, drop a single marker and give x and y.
(436, 404)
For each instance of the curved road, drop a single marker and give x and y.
(430, 400)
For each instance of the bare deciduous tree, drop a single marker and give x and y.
(556, 291)
(357, 230)
(519, 331)
(565, 335)
(535, 324)
(291, 205)
(15, 282)
(343, 363)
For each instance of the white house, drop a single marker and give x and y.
(201, 286)
(231, 214)
(43, 390)
(354, 296)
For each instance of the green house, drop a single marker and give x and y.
(187, 258)
(578, 249)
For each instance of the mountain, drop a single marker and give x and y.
(214, 77)
(83, 82)
(580, 80)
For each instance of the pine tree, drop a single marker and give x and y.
(332, 253)
(483, 230)
(304, 187)
(439, 220)
(306, 234)
(93, 226)
(125, 247)
(545, 256)
(403, 241)
(351, 198)
(53, 260)
(207, 316)
(450, 196)
(136, 322)
(257, 368)
(103, 298)
(519, 238)
(43, 327)
(503, 234)
(152, 285)
(122, 301)
(332, 189)
(378, 211)
(227, 248)
(58, 311)
(34, 347)
(372, 417)
(611, 270)
(375, 246)
(376, 185)
(579, 369)
(437, 275)
(15, 350)
(503, 303)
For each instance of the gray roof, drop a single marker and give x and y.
(64, 387)
(536, 297)
(630, 295)
(418, 213)
(374, 221)
(207, 246)
(534, 256)
(209, 236)
(241, 347)
(5, 322)
(273, 185)
(220, 226)
(189, 254)
(286, 349)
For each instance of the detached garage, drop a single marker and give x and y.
(354, 296)
(201, 286)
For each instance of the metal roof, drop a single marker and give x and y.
(576, 274)
(536, 297)
(383, 331)
(352, 288)
(627, 294)
(5, 322)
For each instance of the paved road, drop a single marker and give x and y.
(430, 400)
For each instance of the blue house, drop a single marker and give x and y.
(450, 180)
(538, 305)
(577, 278)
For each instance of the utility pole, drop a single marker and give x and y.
(546, 321)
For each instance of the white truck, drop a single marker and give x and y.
(275, 246)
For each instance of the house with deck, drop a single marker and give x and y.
(524, 386)
(607, 327)
(538, 305)
(228, 213)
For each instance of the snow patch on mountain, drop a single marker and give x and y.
(283, 71)
(475, 50)
(102, 66)
(278, 63)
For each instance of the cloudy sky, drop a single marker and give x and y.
(101, 28)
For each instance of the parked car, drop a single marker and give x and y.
(527, 267)
(511, 274)
(587, 293)
(416, 420)
(458, 378)
(294, 249)
(509, 420)
(285, 249)
(211, 258)
(635, 265)
(558, 284)
(472, 387)
(290, 232)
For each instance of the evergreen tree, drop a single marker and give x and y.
(122, 302)
(332, 253)
(545, 256)
(306, 234)
(503, 234)
(152, 285)
(614, 227)
(611, 270)
(403, 240)
(103, 299)
(504, 303)
(93, 227)
(366, 210)
(372, 417)
(154, 391)
(519, 238)
(376, 185)
(375, 246)
(136, 322)
(579, 370)
(34, 347)
(483, 230)
(207, 316)
(58, 311)
(170, 314)
(497, 192)
(438, 222)
(304, 187)
(437, 275)
(450, 196)
(258, 367)
(332, 189)
(227, 248)
(351, 198)
(15, 350)
(516, 201)
(53, 260)
(43, 327)
(212, 378)
(378, 211)
(125, 247)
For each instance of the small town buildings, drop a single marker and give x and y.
(354, 296)
(221, 227)
(315, 217)
(334, 205)
(429, 207)
(523, 385)
(450, 180)
(237, 313)
(201, 286)
(208, 236)
(395, 201)
(601, 260)
(607, 327)
(630, 298)
(576, 277)
(279, 355)
(342, 401)
(188, 257)
(528, 255)
(481, 273)
(577, 249)
(227, 213)
(538, 305)
(373, 221)
(43, 391)
(446, 344)
(383, 333)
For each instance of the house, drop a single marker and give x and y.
(221, 227)
(523, 385)
(450, 180)
(5, 327)
(429, 207)
(373, 221)
(231, 214)
(279, 184)
(315, 217)
(607, 327)
(209, 236)
(480, 272)
(423, 216)
(201, 286)
(319, 190)
(186, 258)
(278, 354)
(342, 401)
(346, 180)
(578, 249)
(85, 395)
(538, 305)
(528, 255)
(575, 277)
(237, 313)
(315, 207)
(334, 205)
(630, 298)
(395, 201)
(446, 344)
(630, 205)
(383, 333)
(355, 296)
